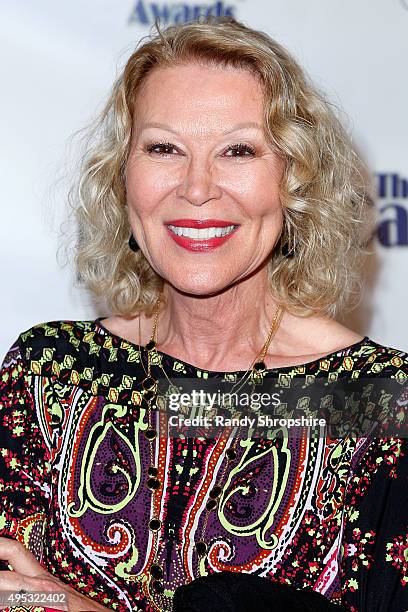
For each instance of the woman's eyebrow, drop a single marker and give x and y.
(163, 126)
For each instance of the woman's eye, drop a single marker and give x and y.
(241, 150)
(162, 148)
(237, 150)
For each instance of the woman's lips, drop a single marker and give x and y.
(199, 223)
(201, 244)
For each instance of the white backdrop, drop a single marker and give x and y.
(58, 62)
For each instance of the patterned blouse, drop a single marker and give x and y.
(320, 513)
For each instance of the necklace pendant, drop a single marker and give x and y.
(150, 434)
(148, 395)
(149, 383)
(157, 586)
(155, 524)
(156, 571)
(215, 492)
(201, 548)
(153, 484)
(260, 366)
(211, 504)
(231, 454)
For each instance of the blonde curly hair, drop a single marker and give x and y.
(315, 266)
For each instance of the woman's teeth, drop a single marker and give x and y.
(201, 234)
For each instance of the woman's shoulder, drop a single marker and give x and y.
(75, 350)
(47, 334)
(50, 340)
(378, 359)
(319, 339)
(383, 354)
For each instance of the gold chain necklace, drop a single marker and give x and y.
(149, 402)
(258, 364)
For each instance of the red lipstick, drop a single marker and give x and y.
(199, 223)
(200, 245)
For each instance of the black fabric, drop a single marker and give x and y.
(238, 592)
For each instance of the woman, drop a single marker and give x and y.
(220, 214)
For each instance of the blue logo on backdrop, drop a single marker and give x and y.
(393, 199)
(147, 12)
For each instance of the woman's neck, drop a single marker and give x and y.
(222, 332)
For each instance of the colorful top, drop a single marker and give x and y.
(317, 513)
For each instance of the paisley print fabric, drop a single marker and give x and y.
(318, 513)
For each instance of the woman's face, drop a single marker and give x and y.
(199, 155)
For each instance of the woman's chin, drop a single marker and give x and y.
(198, 287)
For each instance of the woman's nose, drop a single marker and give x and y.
(198, 183)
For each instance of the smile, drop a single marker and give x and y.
(202, 234)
